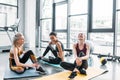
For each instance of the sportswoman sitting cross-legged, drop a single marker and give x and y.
(57, 51)
(81, 51)
(18, 57)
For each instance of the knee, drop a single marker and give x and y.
(62, 64)
(19, 70)
(30, 52)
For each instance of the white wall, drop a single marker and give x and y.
(30, 10)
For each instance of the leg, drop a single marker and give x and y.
(67, 66)
(71, 67)
(14, 68)
(27, 55)
(55, 60)
(83, 67)
(52, 50)
(18, 70)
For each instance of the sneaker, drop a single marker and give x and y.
(39, 58)
(40, 70)
(72, 75)
(83, 71)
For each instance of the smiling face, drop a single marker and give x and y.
(81, 36)
(53, 38)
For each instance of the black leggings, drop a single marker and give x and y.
(24, 59)
(56, 60)
(50, 48)
(72, 66)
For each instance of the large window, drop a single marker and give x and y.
(96, 18)
(103, 42)
(118, 29)
(118, 4)
(102, 29)
(61, 21)
(46, 8)
(8, 16)
(11, 2)
(3, 19)
(61, 17)
(46, 29)
(8, 12)
(77, 24)
(45, 21)
(78, 19)
(102, 14)
(78, 6)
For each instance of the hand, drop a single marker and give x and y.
(78, 61)
(34, 65)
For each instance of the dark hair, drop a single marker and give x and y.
(53, 33)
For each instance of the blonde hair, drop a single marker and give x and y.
(16, 38)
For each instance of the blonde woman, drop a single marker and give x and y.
(18, 57)
(81, 51)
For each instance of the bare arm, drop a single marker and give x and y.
(74, 51)
(60, 51)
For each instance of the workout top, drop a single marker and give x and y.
(83, 50)
(12, 55)
(61, 47)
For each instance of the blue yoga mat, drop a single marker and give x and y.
(12, 75)
(54, 65)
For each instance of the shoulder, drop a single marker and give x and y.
(75, 45)
(87, 46)
(13, 49)
(58, 43)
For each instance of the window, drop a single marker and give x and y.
(102, 14)
(8, 16)
(78, 6)
(61, 17)
(3, 19)
(45, 21)
(77, 24)
(118, 28)
(8, 13)
(12, 2)
(118, 4)
(46, 9)
(103, 42)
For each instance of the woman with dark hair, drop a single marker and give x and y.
(18, 57)
(57, 51)
(81, 51)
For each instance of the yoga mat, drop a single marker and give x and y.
(91, 73)
(54, 65)
(12, 75)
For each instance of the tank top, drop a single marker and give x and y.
(12, 54)
(83, 50)
(61, 47)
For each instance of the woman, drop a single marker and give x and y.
(18, 57)
(81, 51)
(58, 51)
